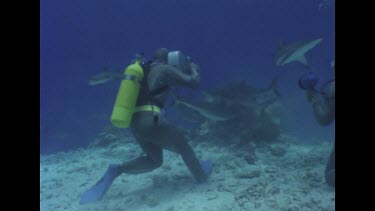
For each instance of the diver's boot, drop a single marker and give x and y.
(100, 188)
(207, 167)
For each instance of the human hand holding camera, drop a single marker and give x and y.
(195, 71)
(308, 82)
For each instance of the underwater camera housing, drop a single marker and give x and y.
(308, 81)
(180, 61)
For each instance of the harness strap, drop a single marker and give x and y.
(147, 108)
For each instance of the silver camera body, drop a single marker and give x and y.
(180, 61)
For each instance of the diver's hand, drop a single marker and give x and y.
(312, 96)
(195, 76)
(195, 68)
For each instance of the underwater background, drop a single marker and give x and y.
(230, 40)
(266, 157)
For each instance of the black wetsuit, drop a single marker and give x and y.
(325, 115)
(330, 168)
(152, 131)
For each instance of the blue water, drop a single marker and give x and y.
(230, 40)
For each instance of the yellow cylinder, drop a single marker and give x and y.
(127, 96)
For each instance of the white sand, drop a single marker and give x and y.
(293, 181)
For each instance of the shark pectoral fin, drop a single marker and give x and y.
(302, 60)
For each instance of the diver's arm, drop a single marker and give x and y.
(324, 112)
(174, 77)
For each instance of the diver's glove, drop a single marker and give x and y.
(100, 188)
(194, 75)
(308, 81)
(312, 96)
(195, 71)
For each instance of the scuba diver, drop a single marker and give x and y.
(324, 112)
(140, 100)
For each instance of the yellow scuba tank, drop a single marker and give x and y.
(127, 96)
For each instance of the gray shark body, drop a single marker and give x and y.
(208, 110)
(243, 94)
(189, 115)
(295, 52)
(230, 101)
(104, 77)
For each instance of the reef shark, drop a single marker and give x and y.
(208, 110)
(243, 94)
(229, 101)
(295, 52)
(104, 77)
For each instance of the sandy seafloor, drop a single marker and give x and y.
(285, 176)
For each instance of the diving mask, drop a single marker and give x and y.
(180, 61)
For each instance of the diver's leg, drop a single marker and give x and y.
(173, 140)
(330, 168)
(152, 160)
(199, 169)
(142, 164)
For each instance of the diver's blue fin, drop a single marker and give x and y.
(96, 192)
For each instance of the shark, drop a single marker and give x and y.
(208, 110)
(295, 52)
(188, 115)
(229, 101)
(104, 77)
(240, 93)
